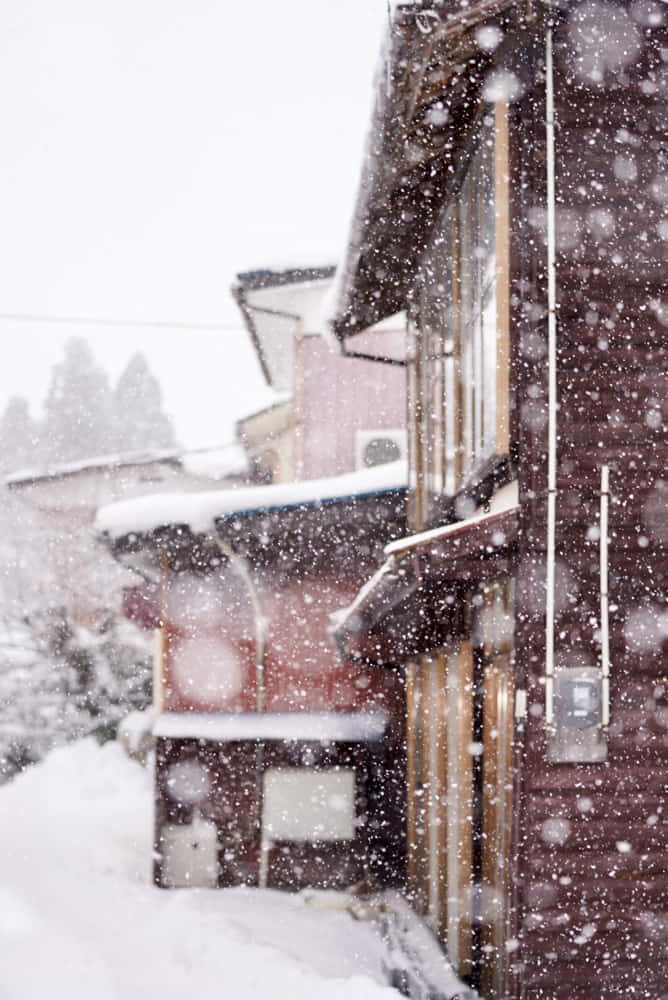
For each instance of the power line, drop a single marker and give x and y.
(105, 321)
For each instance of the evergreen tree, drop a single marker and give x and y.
(59, 682)
(18, 436)
(77, 409)
(140, 422)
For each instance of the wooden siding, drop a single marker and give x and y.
(592, 838)
(586, 896)
(233, 804)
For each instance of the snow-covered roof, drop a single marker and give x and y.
(276, 306)
(286, 272)
(200, 511)
(335, 727)
(277, 399)
(95, 463)
(215, 463)
(201, 463)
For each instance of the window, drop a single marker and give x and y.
(459, 322)
(305, 804)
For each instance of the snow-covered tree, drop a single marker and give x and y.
(68, 667)
(58, 679)
(59, 682)
(139, 420)
(77, 409)
(18, 436)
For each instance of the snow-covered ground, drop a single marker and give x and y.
(80, 920)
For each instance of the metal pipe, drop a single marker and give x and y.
(260, 696)
(552, 385)
(258, 620)
(605, 630)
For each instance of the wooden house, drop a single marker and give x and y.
(513, 203)
(276, 762)
(271, 766)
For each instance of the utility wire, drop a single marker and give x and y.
(103, 321)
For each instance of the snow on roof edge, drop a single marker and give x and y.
(506, 499)
(280, 399)
(200, 511)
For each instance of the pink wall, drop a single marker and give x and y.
(337, 396)
(211, 647)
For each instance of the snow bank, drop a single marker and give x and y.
(200, 510)
(79, 918)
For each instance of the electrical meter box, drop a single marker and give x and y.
(578, 735)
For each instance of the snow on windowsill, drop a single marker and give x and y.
(335, 727)
(504, 500)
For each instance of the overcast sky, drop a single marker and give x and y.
(153, 148)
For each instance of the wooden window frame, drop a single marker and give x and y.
(451, 437)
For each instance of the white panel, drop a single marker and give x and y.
(305, 804)
(190, 855)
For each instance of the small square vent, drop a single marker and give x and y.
(379, 447)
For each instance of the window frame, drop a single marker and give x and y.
(454, 431)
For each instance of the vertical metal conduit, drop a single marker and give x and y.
(258, 619)
(552, 384)
(605, 630)
(238, 563)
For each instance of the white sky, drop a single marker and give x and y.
(153, 148)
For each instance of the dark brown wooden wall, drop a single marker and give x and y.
(592, 876)
(233, 804)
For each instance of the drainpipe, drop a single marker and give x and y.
(260, 693)
(552, 386)
(258, 620)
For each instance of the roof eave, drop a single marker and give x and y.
(262, 528)
(390, 219)
(260, 279)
